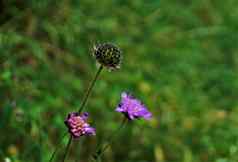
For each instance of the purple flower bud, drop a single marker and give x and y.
(78, 126)
(132, 108)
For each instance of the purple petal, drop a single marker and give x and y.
(90, 131)
(84, 116)
(76, 134)
(131, 116)
(147, 116)
(119, 109)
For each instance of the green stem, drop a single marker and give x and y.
(57, 147)
(90, 89)
(67, 148)
(100, 150)
(80, 110)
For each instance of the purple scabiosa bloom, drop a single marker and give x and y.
(78, 126)
(132, 108)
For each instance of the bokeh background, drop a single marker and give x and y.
(180, 57)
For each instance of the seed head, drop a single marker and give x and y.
(108, 55)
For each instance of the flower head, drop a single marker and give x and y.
(77, 125)
(108, 55)
(132, 108)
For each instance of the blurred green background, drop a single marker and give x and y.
(180, 57)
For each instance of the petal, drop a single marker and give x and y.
(148, 116)
(84, 116)
(131, 116)
(145, 114)
(90, 131)
(124, 95)
(76, 134)
(119, 109)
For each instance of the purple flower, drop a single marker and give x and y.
(78, 126)
(132, 108)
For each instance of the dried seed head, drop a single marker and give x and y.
(108, 55)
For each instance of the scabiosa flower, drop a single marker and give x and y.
(132, 108)
(108, 55)
(77, 125)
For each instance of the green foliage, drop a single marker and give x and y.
(180, 58)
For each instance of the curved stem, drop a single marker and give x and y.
(90, 89)
(83, 105)
(80, 110)
(67, 148)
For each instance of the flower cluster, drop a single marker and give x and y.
(78, 126)
(132, 108)
(107, 55)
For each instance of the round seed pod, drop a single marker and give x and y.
(108, 55)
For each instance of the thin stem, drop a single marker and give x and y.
(57, 147)
(114, 135)
(78, 148)
(67, 148)
(82, 106)
(100, 150)
(90, 89)
(80, 109)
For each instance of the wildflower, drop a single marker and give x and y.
(78, 126)
(108, 55)
(132, 108)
